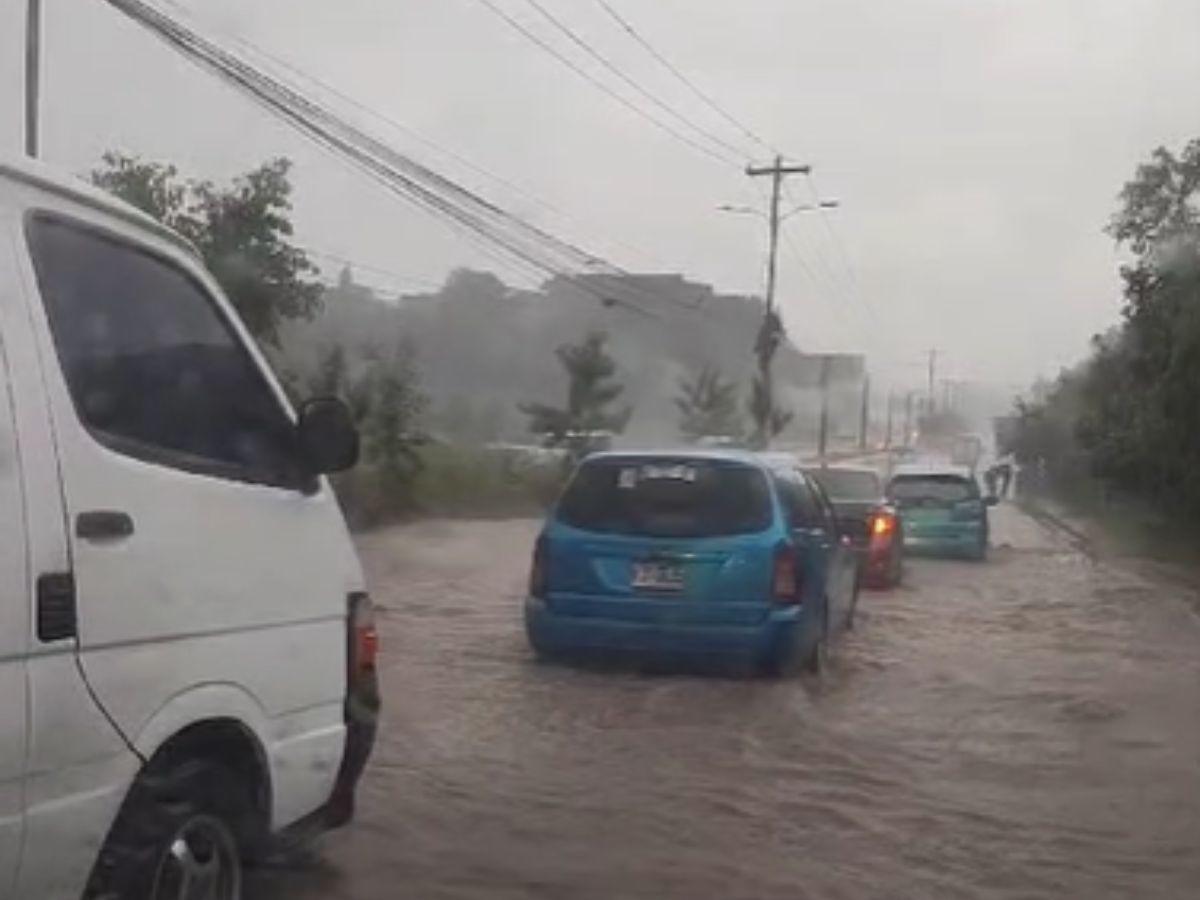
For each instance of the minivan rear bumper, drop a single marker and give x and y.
(360, 740)
(962, 540)
(777, 633)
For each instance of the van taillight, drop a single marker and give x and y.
(785, 580)
(882, 524)
(537, 569)
(364, 639)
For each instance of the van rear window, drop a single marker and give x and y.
(667, 498)
(931, 490)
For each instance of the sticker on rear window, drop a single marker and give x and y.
(653, 472)
(627, 479)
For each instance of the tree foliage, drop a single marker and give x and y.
(383, 391)
(242, 232)
(1130, 413)
(708, 405)
(591, 393)
(768, 418)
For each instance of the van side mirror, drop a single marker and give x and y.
(326, 435)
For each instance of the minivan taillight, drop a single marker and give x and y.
(363, 642)
(537, 570)
(785, 578)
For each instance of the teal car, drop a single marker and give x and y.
(944, 512)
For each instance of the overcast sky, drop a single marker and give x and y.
(975, 146)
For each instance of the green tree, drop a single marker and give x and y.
(1130, 414)
(242, 232)
(768, 418)
(391, 427)
(591, 393)
(708, 405)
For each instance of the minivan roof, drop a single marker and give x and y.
(839, 467)
(717, 455)
(45, 177)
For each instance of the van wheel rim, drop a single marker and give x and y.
(200, 863)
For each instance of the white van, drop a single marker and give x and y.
(187, 654)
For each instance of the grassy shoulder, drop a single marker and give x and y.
(450, 481)
(1117, 526)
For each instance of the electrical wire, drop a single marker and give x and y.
(837, 284)
(595, 54)
(395, 172)
(366, 267)
(428, 142)
(575, 256)
(840, 248)
(674, 70)
(604, 88)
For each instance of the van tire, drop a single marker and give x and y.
(814, 662)
(197, 815)
(853, 603)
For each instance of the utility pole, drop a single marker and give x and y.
(772, 328)
(865, 413)
(908, 410)
(823, 424)
(932, 367)
(33, 43)
(888, 440)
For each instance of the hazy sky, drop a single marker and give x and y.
(976, 146)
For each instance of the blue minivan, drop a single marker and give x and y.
(691, 554)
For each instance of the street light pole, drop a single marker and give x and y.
(33, 41)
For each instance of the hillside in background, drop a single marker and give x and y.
(482, 347)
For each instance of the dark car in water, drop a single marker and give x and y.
(867, 518)
(691, 554)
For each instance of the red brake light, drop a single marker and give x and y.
(882, 524)
(537, 570)
(364, 638)
(785, 579)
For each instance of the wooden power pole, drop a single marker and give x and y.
(888, 440)
(33, 43)
(772, 329)
(823, 424)
(865, 413)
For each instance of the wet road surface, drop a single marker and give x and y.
(1024, 728)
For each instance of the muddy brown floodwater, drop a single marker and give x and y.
(1028, 727)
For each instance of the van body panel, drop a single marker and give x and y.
(226, 599)
(14, 605)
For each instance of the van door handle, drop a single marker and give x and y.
(103, 525)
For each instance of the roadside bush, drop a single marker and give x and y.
(453, 481)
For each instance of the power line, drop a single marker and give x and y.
(838, 285)
(577, 256)
(666, 63)
(620, 73)
(392, 170)
(601, 86)
(452, 154)
(840, 248)
(366, 267)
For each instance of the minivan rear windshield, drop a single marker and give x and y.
(667, 498)
(932, 490)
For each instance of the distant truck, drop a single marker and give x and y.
(966, 450)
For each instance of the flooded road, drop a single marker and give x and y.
(1028, 727)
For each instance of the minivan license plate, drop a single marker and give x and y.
(657, 576)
